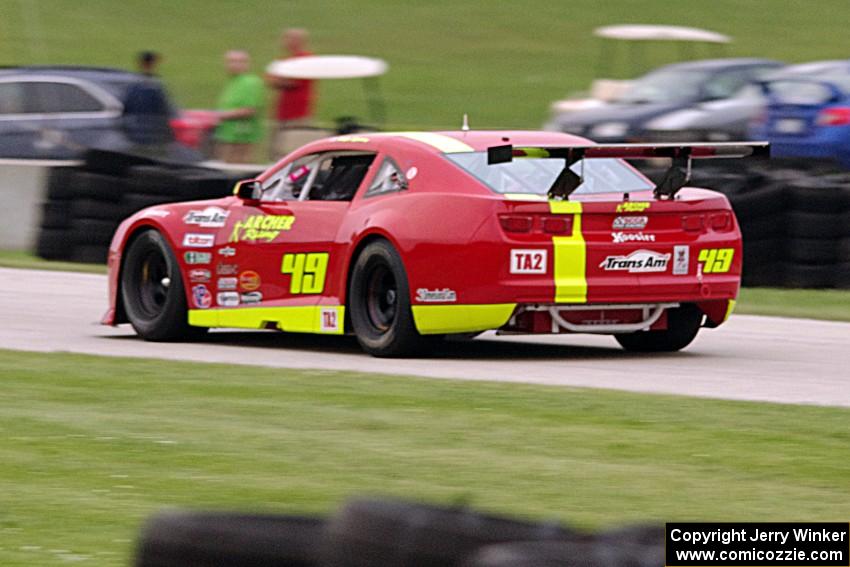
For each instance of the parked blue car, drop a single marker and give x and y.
(808, 112)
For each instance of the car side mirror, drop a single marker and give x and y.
(248, 190)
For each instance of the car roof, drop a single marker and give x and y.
(95, 74)
(814, 68)
(474, 140)
(718, 64)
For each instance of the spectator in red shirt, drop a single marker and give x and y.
(295, 98)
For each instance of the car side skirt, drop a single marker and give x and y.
(439, 319)
(322, 319)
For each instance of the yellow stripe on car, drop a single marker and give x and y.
(293, 319)
(437, 319)
(445, 144)
(729, 309)
(570, 263)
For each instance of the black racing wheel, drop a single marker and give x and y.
(152, 291)
(379, 304)
(683, 323)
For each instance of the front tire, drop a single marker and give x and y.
(379, 303)
(683, 323)
(152, 291)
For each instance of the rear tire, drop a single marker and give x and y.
(379, 303)
(153, 293)
(683, 323)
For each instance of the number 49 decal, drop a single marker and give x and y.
(716, 260)
(308, 271)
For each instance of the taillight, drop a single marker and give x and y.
(721, 221)
(692, 223)
(558, 225)
(836, 116)
(516, 223)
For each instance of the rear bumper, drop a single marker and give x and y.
(548, 318)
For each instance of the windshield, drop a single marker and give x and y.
(666, 86)
(536, 175)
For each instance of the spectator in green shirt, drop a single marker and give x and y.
(240, 109)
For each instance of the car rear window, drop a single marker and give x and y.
(536, 175)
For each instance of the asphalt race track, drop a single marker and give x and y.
(749, 358)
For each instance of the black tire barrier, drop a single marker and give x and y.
(94, 209)
(111, 162)
(813, 251)
(56, 214)
(236, 540)
(90, 253)
(818, 225)
(759, 202)
(387, 533)
(53, 244)
(85, 204)
(374, 533)
(810, 276)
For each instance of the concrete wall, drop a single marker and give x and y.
(23, 184)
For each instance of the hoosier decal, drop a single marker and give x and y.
(639, 261)
(632, 237)
(260, 228)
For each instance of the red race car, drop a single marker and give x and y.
(404, 238)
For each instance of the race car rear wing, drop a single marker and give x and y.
(674, 178)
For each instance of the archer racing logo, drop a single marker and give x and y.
(638, 262)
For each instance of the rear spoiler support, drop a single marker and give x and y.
(674, 178)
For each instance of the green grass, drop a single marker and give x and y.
(502, 62)
(28, 261)
(828, 304)
(91, 446)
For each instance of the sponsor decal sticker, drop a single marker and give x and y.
(638, 262)
(329, 320)
(199, 240)
(226, 283)
(227, 298)
(155, 213)
(211, 217)
(263, 228)
(199, 275)
(620, 237)
(630, 223)
(251, 297)
(681, 260)
(197, 257)
(227, 269)
(228, 251)
(201, 296)
(633, 206)
(249, 281)
(528, 261)
(435, 295)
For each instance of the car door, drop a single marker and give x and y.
(281, 249)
